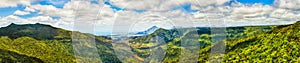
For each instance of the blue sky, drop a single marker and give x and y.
(56, 3)
(264, 2)
(6, 11)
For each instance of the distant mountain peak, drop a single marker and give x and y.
(298, 22)
(36, 25)
(13, 24)
(37, 31)
(149, 30)
(152, 28)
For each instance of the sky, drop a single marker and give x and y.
(102, 17)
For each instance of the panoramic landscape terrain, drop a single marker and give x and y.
(149, 31)
(36, 43)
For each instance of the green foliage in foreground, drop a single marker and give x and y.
(12, 57)
(43, 43)
(48, 51)
(279, 45)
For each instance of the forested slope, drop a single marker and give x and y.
(282, 44)
(171, 41)
(50, 44)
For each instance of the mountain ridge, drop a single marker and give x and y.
(148, 31)
(250, 36)
(40, 41)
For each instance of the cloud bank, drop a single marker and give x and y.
(161, 13)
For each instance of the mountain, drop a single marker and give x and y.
(251, 44)
(174, 38)
(45, 43)
(148, 31)
(37, 31)
(36, 43)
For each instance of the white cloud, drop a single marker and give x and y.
(163, 5)
(18, 12)
(14, 3)
(288, 4)
(258, 12)
(284, 14)
(50, 10)
(159, 13)
(42, 19)
(208, 2)
(29, 9)
(14, 19)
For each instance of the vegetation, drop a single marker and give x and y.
(174, 39)
(12, 57)
(279, 45)
(50, 44)
(38, 43)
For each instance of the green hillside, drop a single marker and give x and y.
(50, 44)
(37, 43)
(174, 38)
(12, 57)
(243, 44)
(279, 45)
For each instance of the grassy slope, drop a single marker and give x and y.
(51, 44)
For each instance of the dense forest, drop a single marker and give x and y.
(44, 43)
(278, 45)
(37, 43)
